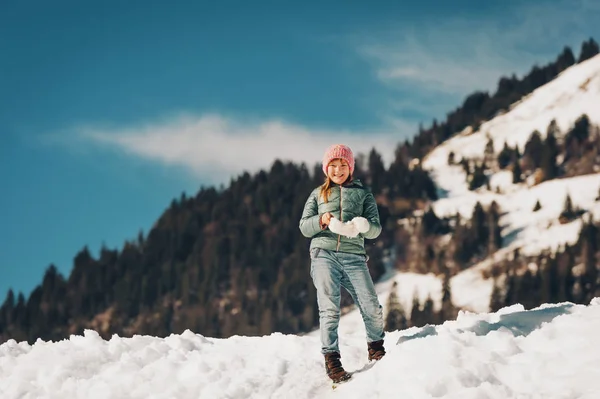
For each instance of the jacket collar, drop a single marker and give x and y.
(352, 183)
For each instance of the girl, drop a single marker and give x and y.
(338, 216)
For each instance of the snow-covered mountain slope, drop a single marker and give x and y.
(548, 352)
(575, 92)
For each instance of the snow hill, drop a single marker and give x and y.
(574, 92)
(547, 352)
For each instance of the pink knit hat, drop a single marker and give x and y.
(338, 151)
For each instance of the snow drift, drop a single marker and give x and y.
(547, 352)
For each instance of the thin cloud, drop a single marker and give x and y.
(429, 70)
(417, 67)
(456, 56)
(224, 147)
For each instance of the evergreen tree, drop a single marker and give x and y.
(6, 311)
(416, 319)
(505, 156)
(550, 282)
(395, 318)
(140, 239)
(451, 158)
(448, 310)
(564, 265)
(376, 172)
(20, 316)
(432, 224)
(461, 252)
(537, 206)
(565, 59)
(512, 292)
(478, 222)
(428, 313)
(496, 298)
(589, 49)
(576, 137)
(488, 160)
(568, 212)
(589, 247)
(533, 149)
(516, 170)
(529, 288)
(478, 178)
(495, 230)
(550, 152)
(581, 129)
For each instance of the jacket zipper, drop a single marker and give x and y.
(341, 220)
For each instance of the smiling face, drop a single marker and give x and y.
(338, 171)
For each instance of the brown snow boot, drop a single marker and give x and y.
(376, 350)
(334, 368)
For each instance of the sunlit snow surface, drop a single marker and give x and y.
(549, 352)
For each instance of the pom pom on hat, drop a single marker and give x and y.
(338, 151)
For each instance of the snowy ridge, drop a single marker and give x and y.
(576, 91)
(547, 352)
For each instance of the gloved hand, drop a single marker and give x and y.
(361, 224)
(347, 229)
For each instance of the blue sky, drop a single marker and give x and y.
(109, 110)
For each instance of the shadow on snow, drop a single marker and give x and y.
(520, 323)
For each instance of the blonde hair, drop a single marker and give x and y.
(326, 187)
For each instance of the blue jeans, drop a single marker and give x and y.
(330, 270)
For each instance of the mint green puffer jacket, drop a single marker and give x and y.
(345, 202)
